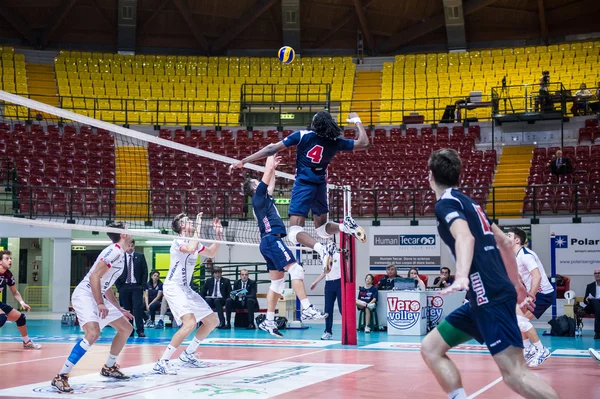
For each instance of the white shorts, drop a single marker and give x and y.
(86, 309)
(184, 301)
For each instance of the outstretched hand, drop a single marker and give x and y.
(198, 224)
(237, 165)
(218, 228)
(353, 118)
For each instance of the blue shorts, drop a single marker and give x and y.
(543, 302)
(494, 324)
(276, 253)
(5, 308)
(308, 197)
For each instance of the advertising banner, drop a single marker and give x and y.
(405, 247)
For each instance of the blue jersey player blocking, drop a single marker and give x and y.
(279, 258)
(486, 268)
(314, 151)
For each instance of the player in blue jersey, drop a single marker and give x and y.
(486, 268)
(314, 151)
(279, 258)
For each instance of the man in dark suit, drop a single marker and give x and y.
(592, 300)
(131, 286)
(243, 301)
(214, 291)
(560, 165)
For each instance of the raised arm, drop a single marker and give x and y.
(362, 142)
(211, 251)
(269, 175)
(263, 153)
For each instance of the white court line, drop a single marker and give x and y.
(485, 388)
(32, 360)
(217, 373)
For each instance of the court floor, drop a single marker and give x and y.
(240, 362)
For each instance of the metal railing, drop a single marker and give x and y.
(376, 203)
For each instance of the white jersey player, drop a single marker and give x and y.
(533, 276)
(187, 306)
(96, 306)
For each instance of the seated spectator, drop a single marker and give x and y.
(592, 301)
(444, 280)
(153, 296)
(414, 273)
(595, 106)
(387, 283)
(367, 300)
(214, 291)
(243, 296)
(583, 96)
(560, 165)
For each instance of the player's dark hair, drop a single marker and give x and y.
(324, 125)
(445, 268)
(249, 188)
(519, 233)
(115, 237)
(445, 166)
(2, 253)
(176, 225)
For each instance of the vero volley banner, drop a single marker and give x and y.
(575, 248)
(405, 247)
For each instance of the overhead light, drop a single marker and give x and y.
(146, 230)
(91, 242)
(165, 243)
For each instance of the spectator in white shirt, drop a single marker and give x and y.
(333, 292)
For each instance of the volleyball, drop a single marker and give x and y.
(286, 55)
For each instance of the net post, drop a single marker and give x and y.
(348, 271)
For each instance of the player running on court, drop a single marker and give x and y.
(96, 306)
(7, 312)
(279, 258)
(538, 286)
(187, 306)
(486, 267)
(314, 151)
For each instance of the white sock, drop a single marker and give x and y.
(344, 229)
(305, 303)
(26, 338)
(161, 317)
(271, 316)
(458, 394)
(112, 359)
(66, 368)
(538, 345)
(192, 346)
(526, 343)
(168, 352)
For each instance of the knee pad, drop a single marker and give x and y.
(296, 272)
(277, 286)
(322, 232)
(293, 232)
(21, 321)
(524, 324)
(3, 319)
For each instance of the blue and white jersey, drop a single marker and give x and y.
(489, 281)
(314, 153)
(527, 261)
(265, 211)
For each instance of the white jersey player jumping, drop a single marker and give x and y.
(187, 306)
(539, 288)
(96, 306)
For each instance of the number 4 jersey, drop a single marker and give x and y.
(314, 153)
(489, 282)
(113, 257)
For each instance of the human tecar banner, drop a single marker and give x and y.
(574, 248)
(405, 247)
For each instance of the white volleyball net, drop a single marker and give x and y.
(66, 170)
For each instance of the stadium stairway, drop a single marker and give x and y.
(510, 181)
(42, 83)
(367, 91)
(132, 181)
